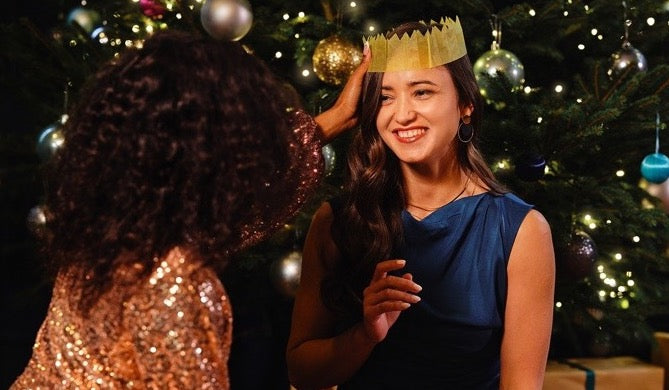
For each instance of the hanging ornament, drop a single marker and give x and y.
(329, 157)
(530, 167)
(85, 18)
(36, 220)
(660, 191)
(285, 273)
(154, 9)
(577, 258)
(227, 20)
(51, 139)
(628, 58)
(497, 62)
(335, 59)
(655, 166)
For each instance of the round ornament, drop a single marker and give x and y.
(330, 158)
(627, 59)
(285, 273)
(152, 8)
(228, 20)
(50, 140)
(655, 168)
(578, 257)
(530, 167)
(86, 18)
(494, 63)
(335, 59)
(660, 191)
(36, 220)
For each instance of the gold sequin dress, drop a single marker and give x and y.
(172, 330)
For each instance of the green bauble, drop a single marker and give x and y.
(498, 63)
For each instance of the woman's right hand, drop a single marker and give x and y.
(343, 115)
(386, 297)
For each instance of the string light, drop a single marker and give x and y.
(636, 239)
(620, 173)
(558, 304)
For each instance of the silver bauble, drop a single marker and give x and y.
(494, 63)
(329, 157)
(227, 20)
(285, 273)
(36, 220)
(627, 59)
(86, 18)
(660, 191)
(50, 140)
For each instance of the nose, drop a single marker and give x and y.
(404, 111)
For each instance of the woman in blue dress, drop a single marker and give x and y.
(426, 273)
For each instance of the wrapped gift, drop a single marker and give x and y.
(613, 373)
(661, 354)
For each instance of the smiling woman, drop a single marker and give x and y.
(425, 273)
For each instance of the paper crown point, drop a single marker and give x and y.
(442, 43)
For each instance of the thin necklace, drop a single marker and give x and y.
(450, 201)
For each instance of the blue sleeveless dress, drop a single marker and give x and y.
(451, 339)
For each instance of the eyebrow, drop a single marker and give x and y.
(412, 84)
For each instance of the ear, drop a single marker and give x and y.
(466, 110)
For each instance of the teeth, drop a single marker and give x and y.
(410, 133)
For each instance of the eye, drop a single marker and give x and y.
(422, 93)
(385, 99)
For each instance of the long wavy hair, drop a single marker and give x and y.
(369, 227)
(172, 144)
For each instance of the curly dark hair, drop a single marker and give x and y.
(369, 228)
(176, 143)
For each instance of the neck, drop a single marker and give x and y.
(432, 186)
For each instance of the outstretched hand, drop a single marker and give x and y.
(343, 114)
(386, 297)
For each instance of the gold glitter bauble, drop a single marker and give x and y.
(335, 59)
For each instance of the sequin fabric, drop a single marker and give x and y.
(170, 331)
(291, 191)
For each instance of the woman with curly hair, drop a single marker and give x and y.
(179, 155)
(426, 273)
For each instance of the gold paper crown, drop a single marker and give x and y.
(440, 44)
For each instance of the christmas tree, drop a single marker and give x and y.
(575, 124)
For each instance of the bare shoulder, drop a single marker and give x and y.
(319, 239)
(534, 242)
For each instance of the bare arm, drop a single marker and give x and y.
(529, 306)
(316, 356)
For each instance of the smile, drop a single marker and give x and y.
(409, 135)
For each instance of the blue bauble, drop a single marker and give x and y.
(655, 168)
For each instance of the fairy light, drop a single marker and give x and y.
(297, 36)
(540, 119)
(527, 89)
(630, 283)
(278, 54)
(622, 289)
(650, 21)
(558, 304)
(618, 256)
(286, 16)
(612, 294)
(565, 13)
(636, 239)
(305, 73)
(600, 268)
(620, 173)
(624, 304)
(608, 221)
(503, 164)
(178, 15)
(581, 46)
(532, 12)
(579, 100)
(593, 32)
(300, 14)
(371, 28)
(149, 29)
(353, 4)
(136, 28)
(559, 88)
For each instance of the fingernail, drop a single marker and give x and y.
(401, 262)
(365, 49)
(418, 287)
